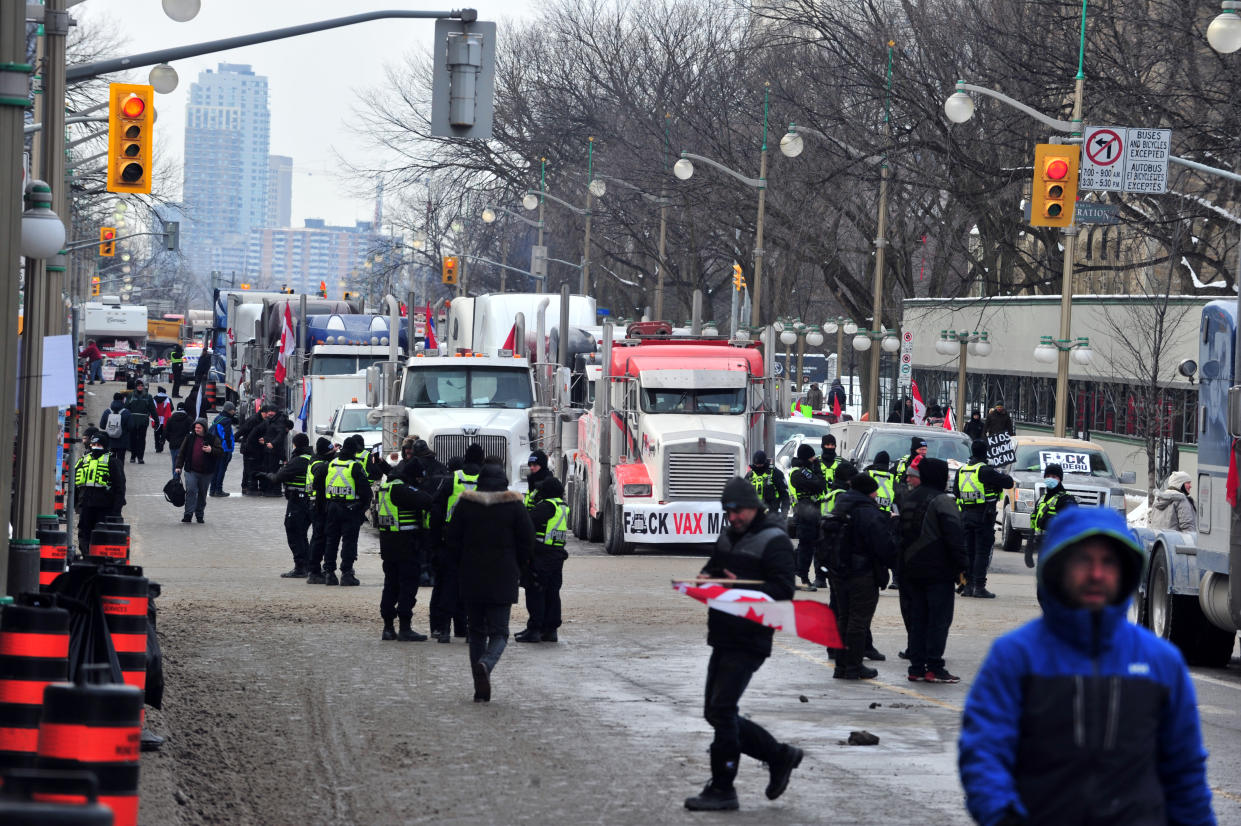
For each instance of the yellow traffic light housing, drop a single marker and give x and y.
(131, 130)
(1054, 192)
(95, 284)
(449, 269)
(738, 278)
(107, 241)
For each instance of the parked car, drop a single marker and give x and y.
(349, 419)
(860, 442)
(813, 429)
(1089, 476)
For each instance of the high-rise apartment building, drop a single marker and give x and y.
(343, 258)
(226, 192)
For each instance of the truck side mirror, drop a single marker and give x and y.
(1234, 412)
(1129, 477)
(374, 387)
(323, 430)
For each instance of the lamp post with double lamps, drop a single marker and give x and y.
(962, 344)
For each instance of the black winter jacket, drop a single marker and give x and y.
(764, 552)
(178, 425)
(491, 537)
(932, 536)
(293, 469)
(867, 545)
(113, 497)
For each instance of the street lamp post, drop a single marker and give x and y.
(684, 169)
(595, 188)
(962, 343)
(663, 204)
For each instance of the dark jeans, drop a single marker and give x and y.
(979, 540)
(447, 608)
(856, 614)
(96, 371)
(318, 537)
(159, 438)
(176, 379)
(839, 603)
(543, 595)
(807, 539)
(88, 518)
(173, 451)
(728, 674)
(221, 467)
(400, 591)
(138, 438)
(488, 632)
(196, 487)
(926, 608)
(296, 522)
(343, 524)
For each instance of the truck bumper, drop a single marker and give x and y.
(1019, 521)
(673, 523)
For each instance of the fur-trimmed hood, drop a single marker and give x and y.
(487, 498)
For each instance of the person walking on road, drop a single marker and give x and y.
(448, 617)
(550, 516)
(404, 515)
(1173, 509)
(1080, 716)
(222, 427)
(1053, 500)
(176, 360)
(836, 395)
(932, 559)
(754, 545)
(348, 494)
(99, 487)
(977, 488)
(769, 483)
(298, 490)
(490, 535)
(94, 361)
(974, 427)
(115, 425)
(163, 411)
(814, 396)
(142, 410)
(317, 477)
(197, 455)
(999, 421)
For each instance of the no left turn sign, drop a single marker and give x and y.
(1105, 147)
(1103, 155)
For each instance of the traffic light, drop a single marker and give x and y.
(323, 289)
(1054, 192)
(107, 241)
(131, 129)
(95, 283)
(738, 278)
(449, 269)
(463, 79)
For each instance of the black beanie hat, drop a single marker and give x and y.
(538, 457)
(739, 493)
(978, 449)
(301, 441)
(805, 452)
(324, 446)
(474, 454)
(759, 459)
(863, 483)
(882, 458)
(915, 443)
(1054, 469)
(828, 439)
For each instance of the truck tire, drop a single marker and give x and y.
(575, 508)
(1010, 537)
(1179, 619)
(614, 531)
(594, 524)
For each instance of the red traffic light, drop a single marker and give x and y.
(107, 234)
(1057, 169)
(133, 106)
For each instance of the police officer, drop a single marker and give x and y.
(348, 494)
(439, 472)
(769, 483)
(99, 486)
(977, 488)
(917, 449)
(539, 474)
(830, 463)
(403, 517)
(1053, 500)
(316, 472)
(809, 489)
(886, 479)
(298, 490)
(176, 358)
(550, 516)
(447, 608)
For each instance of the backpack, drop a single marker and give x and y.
(834, 531)
(115, 425)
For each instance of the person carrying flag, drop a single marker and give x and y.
(753, 546)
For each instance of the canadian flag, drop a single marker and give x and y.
(950, 422)
(919, 405)
(287, 342)
(812, 621)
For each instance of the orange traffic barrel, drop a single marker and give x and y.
(109, 543)
(209, 393)
(34, 652)
(20, 805)
(53, 550)
(95, 728)
(58, 503)
(114, 522)
(123, 590)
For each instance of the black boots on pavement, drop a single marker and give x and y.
(406, 634)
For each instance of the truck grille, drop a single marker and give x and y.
(1085, 496)
(698, 475)
(451, 446)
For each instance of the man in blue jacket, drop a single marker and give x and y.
(1081, 717)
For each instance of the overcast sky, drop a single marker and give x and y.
(313, 80)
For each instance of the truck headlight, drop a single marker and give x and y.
(1026, 497)
(1116, 498)
(636, 489)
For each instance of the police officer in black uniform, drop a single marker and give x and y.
(317, 473)
(348, 494)
(550, 516)
(809, 488)
(99, 486)
(769, 483)
(978, 487)
(298, 489)
(404, 518)
(538, 475)
(754, 546)
(176, 358)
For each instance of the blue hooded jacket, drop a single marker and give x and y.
(1081, 717)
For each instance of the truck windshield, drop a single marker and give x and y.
(353, 420)
(716, 402)
(467, 387)
(340, 364)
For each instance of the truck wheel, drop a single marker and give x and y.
(594, 524)
(577, 509)
(1010, 537)
(614, 531)
(1179, 619)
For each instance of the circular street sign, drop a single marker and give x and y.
(907, 336)
(905, 369)
(906, 358)
(1105, 148)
